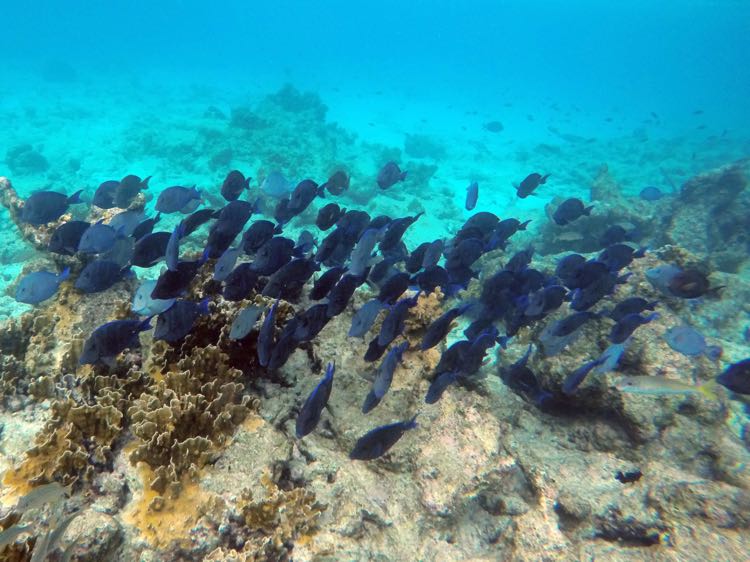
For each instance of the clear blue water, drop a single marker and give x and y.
(622, 59)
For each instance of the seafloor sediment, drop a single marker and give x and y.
(187, 451)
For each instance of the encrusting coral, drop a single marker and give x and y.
(268, 525)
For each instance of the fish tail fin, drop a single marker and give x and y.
(544, 178)
(524, 224)
(412, 423)
(640, 252)
(587, 210)
(75, 198)
(247, 183)
(205, 254)
(403, 175)
(321, 190)
(708, 389)
(64, 274)
(144, 183)
(145, 325)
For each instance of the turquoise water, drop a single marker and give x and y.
(102, 91)
(607, 98)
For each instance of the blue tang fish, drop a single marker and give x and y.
(309, 415)
(46, 206)
(144, 305)
(100, 275)
(377, 442)
(112, 338)
(39, 286)
(178, 199)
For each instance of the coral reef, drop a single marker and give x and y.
(185, 415)
(709, 208)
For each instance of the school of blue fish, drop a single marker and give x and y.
(250, 255)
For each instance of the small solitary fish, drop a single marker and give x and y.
(651, 193)
(378, 441)
(570, 210)
(309, 414)
(628, 477)
(659, 385)
(529, 184)
(389, 175)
